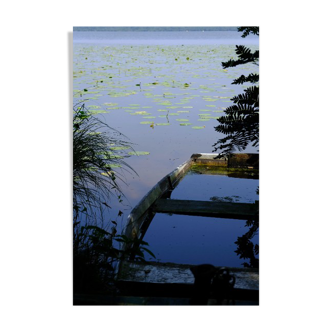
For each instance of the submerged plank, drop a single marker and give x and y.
(206, 208)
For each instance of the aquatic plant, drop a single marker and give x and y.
(98, 165)
(98, 153)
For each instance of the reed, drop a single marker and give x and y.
(98, 163)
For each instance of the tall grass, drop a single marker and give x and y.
(98, 170)
(98, 163)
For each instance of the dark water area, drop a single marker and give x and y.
(199, 240)
(196, 240)
(164, 91)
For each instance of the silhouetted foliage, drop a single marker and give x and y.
(248, 30)
(245, 247)
(240, 123)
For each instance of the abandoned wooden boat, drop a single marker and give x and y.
(168, 280)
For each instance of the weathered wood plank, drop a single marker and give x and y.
(242, 211)
(168, 273)
(140, 212)
(241, 160)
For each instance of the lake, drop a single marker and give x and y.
(162, 90)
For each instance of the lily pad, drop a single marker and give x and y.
(97, 111)
(165, 103)
(138, 153)
(140, 113)
(197, 127)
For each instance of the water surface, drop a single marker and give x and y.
(162, 90)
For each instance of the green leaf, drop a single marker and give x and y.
(148, 251)
(146, 122)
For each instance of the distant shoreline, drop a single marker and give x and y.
(155, 28)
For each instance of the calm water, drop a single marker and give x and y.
(163, 38)
(163, 90)
(199, 240)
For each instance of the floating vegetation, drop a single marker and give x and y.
(166, 103)
(97, 111)
(140, 113)
(138, 153)
(136, 79)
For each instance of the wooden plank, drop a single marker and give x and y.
(140, 212)
(179, 274)
(208, 159)
(236, 160)
(177, 281)
(243, 211)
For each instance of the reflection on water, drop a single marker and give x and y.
(200, 240)
(196, 240)
(223, 188)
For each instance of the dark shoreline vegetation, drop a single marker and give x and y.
(155, 29)
(99, 152)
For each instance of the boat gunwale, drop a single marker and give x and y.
(136, 217)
